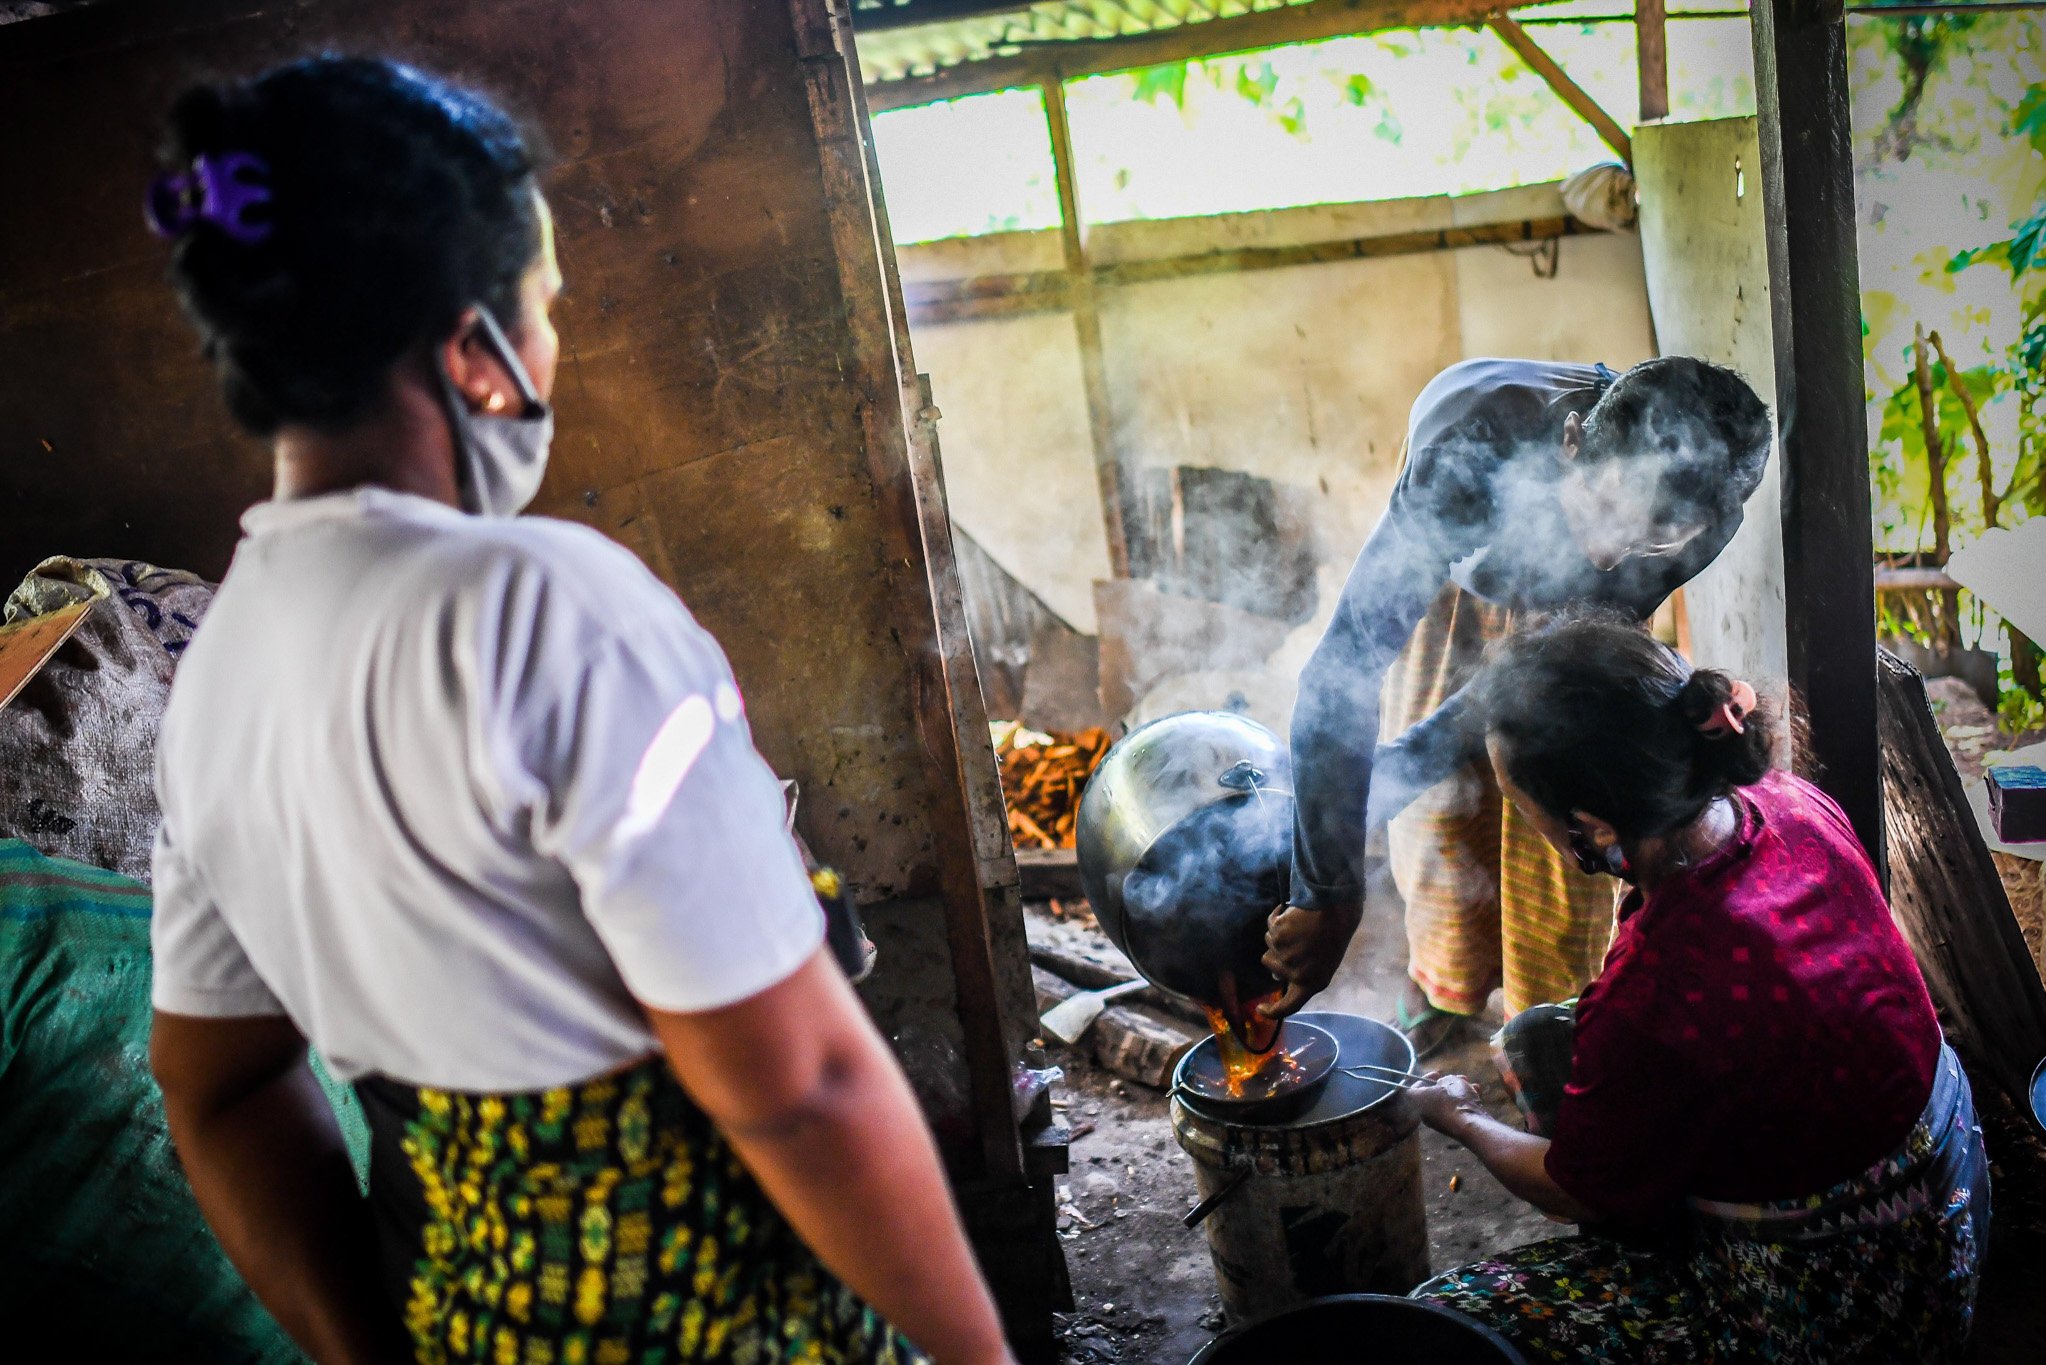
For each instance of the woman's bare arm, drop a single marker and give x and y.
(270, 1171)
(1518, 1160)
(802, 1084)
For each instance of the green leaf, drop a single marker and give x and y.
(2030, 351)
(2028, 120)
(1900, 422)
(1996, 253)
(2028, 245)
(1168, 81)
(1358, 89)
(1256, 81)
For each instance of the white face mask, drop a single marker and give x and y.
(499, 461)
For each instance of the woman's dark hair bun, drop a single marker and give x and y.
(1738, 759)
(1594, 714)
(397, 200)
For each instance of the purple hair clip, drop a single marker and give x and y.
(216, 190)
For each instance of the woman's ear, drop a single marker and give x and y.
(1599, 833)
(1596, 846)
(466, 361)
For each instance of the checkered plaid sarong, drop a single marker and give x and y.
(1488, 901)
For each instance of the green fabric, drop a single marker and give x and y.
(102, 1239)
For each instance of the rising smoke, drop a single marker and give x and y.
(1483, 504)
(1488, 503)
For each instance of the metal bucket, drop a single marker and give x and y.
(1329, 1202)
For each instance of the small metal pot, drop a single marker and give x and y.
(1282, 1090)
(1185, 846)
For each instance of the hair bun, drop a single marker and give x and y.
(1735, 757)
(1703, 693)
(397, 199)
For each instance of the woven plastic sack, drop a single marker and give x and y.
(1603, 196)
(102, 1246)
(78, 744)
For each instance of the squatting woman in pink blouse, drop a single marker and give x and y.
(1772, 1152)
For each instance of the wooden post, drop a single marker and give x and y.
(1815, 296)
(934, 632)
(1108, 467)
(1569, 91)
(1651, 51)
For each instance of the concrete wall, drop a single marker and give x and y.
(1302, 374)
(1708, 288)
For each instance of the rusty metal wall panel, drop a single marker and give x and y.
(705, 421)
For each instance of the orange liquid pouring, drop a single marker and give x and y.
(1244, 1038)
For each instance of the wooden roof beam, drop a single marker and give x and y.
(1651, 51)
(1569, 91)
(1036, 63)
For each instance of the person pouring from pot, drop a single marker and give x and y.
(1527, 487)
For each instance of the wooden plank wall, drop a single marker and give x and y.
(1951, 905)
(718, 398)
(1948, 899)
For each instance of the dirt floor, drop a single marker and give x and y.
(1143, 1290)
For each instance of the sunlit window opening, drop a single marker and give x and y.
(1394, 115)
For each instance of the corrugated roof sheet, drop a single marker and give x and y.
(892, 53)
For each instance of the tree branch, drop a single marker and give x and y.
(1992, 501)
(1935, 449)
(1948, 635)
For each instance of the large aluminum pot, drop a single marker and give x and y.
(1185, 847)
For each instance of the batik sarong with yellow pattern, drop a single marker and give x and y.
(1488, 901)
(1882, 1267)
(607, 1223)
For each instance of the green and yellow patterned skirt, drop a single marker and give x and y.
(603, 1224)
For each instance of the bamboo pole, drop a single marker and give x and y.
(1080, 294)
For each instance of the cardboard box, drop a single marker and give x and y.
(2017, 802)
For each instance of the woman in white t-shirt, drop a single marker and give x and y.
(469, 804)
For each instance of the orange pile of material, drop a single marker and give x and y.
(1042, 778)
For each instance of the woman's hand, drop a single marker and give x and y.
(1452, 1106)
(1444, 1102)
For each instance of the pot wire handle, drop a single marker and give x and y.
(1388, 1075)
(1198, 1214)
